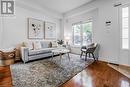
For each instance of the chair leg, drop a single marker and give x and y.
(86, 56)
(93, 56)
(81, 54)
(89, 55)
(97, 58)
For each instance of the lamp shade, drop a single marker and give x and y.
(67, 38)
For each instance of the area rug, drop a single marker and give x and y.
(47, 72)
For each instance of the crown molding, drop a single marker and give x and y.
(81, 10)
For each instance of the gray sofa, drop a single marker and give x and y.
(29, 54)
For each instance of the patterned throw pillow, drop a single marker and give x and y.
(50, 45)
(29, 45)
(54, 44)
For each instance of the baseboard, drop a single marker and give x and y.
(103, 60)
(114, 64)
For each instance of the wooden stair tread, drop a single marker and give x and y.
(122, 69)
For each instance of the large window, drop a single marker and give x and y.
(82, 33)
(125, 28)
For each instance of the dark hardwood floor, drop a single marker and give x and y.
(5, 77)
(99, 74)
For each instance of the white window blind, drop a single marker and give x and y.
(125, 28)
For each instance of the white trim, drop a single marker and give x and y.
(1, 31)
(122, 51)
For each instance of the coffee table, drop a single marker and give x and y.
(61, 51)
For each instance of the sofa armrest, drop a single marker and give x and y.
(24, 54)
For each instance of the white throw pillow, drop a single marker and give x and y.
(37, 45)
(29, 45)
(54, 44)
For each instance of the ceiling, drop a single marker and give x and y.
(60, 6)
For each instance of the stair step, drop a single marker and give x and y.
(122, 69)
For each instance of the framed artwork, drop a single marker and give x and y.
(35, 29)
(50, 31)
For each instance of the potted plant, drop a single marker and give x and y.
(60, 42)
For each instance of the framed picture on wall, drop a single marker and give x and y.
(50, 31)
(35, 29)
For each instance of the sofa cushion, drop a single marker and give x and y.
(45, 44)
(40, 51)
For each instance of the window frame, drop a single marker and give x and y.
(73, 32)
(81, 32)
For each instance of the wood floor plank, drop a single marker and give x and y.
(5, 77)
(99, 74)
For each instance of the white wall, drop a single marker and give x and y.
(1, 31)
(13, 30)
(107, 38)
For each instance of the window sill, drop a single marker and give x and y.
(125, 49)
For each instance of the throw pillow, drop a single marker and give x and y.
(54, 44)
(44, 44)
(37, 45)
(50, 45)
(29, 45)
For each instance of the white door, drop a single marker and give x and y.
(124, 53)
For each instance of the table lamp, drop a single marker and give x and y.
(67, 38)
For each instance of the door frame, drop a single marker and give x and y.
(121, 51)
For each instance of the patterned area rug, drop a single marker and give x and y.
(47, 72)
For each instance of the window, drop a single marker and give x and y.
(77, 34)
(125, 28)
(82, 33)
